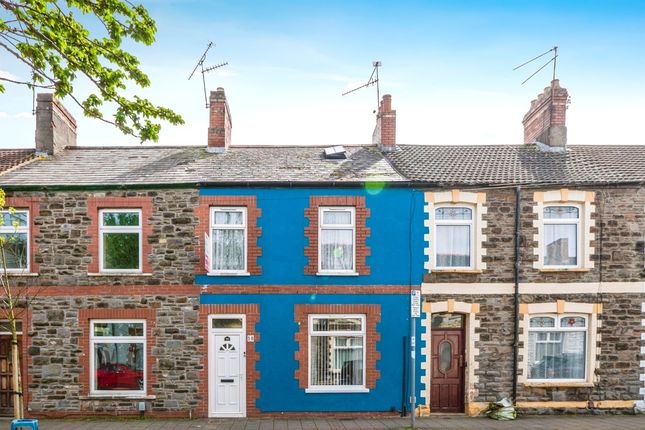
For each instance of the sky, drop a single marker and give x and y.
(447, 64)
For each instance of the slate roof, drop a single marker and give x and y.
(12, 157)
(520, 164)
(192, 164)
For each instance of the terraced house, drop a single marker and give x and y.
(220, 280)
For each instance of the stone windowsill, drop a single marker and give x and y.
(117, 397)
(220, 274)
(105, 274)
(559, 384)
(464, 271)
(22, 274)
(564, 269)
(337, 274)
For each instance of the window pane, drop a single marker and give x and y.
(336, 360)
(121, 218)
(445, 356)
(336, 249)
(447, 321)
(229, 218)
(18, 219)
(228, 249)
(120, 250)
(542, 322)
(118, 329)
(561, 244)
(453, 245)
(15, 249)
(227, 323)
(572, 322)
(337, 324)
(560, 212)
(454, 214)
(337, 217)
(6, 328)
(118, 366)
(562, 356)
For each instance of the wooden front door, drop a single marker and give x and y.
(6, 382)
(448, 360)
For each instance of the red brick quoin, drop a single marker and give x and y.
(202, 212)
(362, 232)
(30, 204)
(84, 317)
(372, 317)
(252, 312)
(94, 204)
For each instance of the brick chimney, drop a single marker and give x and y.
(55, 126)
(545, 122)
(384, 135)
(219, 128)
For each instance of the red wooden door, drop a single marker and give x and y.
(6, 383)
(447, 378)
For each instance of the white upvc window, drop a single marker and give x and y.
(337, 240)
(454, 238)
(120, 240)
(14, 234)
(562, 236)
(118, 357)
(558, 348)
(228, 240)
(337, 353)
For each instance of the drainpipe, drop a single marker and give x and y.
(516, 295)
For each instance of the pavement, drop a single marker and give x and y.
(536, 422)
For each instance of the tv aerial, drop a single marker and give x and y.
(373, 80)
(553, 60)
(203, 70)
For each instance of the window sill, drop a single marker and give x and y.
(563, 384)
(564, 269)
(228, 274)
(117, 397)
(26, 274)
(336, 390)
(337, 274)
(465, 271)
(134, 274)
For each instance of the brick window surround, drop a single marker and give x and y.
(253, 231)
(84, 317)
(362, 232)
(372, 337)
(252, 313)
(94, 204)
(30, 204)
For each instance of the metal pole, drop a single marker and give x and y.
(413, 344)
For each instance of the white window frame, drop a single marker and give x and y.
(470, 223)
(557, 317)
(244, 227)
(10, 229)
(118, 339)
(322, 227)
(568, 221)
(336, 388)
(120, 229)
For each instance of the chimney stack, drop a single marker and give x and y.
(384, 135)
(219, 128)
(55, 126)
(545, 122)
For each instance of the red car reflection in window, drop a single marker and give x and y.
(117, 376)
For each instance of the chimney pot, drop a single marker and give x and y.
(545, 122)
(220, 124)
(55, 126)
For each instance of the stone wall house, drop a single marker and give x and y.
(580, 279)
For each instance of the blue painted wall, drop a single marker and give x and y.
(279, 390)
(396, 241)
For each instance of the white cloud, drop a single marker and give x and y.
(6, 75)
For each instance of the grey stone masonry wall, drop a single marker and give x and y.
(64, 244)
(620, 238)
(58, 355)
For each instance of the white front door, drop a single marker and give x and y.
(227, 366)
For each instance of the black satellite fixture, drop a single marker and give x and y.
(553, 60)
(200, 65)
(373, 80)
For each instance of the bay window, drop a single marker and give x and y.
(120, 238)
(336, 239)
(14, 234)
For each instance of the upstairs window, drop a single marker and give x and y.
(557, 347)
(229, 239)
(14, 235)
(561, 236)
(337, 234)
(120, 240)
(454, 237)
